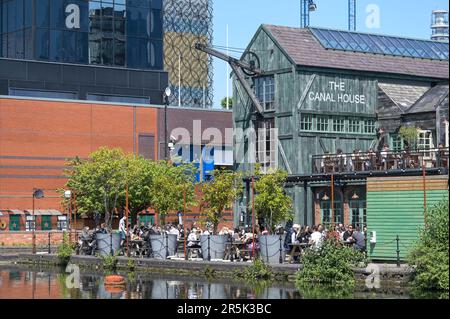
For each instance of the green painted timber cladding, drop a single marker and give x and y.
(392, 213)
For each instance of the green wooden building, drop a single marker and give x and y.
(325, 91)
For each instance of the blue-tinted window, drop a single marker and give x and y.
(43, 14)
(42, 94)
(42, 42)
(75, 47)
(156, 24)
(57, 14)
(118, 99)
(138, 21)
(56, 45)
(157, 4)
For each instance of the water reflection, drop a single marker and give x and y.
(20, 282)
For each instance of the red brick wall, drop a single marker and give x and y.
(23, 238)
(37, 136)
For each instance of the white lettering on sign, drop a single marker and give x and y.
(338, 95)
(73, 17)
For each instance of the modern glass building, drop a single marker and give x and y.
(122, 33)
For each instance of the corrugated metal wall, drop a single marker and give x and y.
(395, 206)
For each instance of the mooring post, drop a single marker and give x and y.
(209, 250)
(398, 251)
(281, 253)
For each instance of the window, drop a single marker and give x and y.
(42, 94)
(358, 213)
(369, 126)
(322, 124)
(325, 210)
(354, 126)
(425, 141)
(306, 122)
(62, 222)
(338, 124)
(30, 223)
(397, 142)
(14, 222)
(266, 145)
(265, 91)
(118, 99)
(146, 220)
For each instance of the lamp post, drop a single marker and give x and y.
(167, 94)
(37, 193)
(68, 195)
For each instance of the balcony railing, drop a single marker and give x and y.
(380, 161)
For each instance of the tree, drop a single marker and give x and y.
(223, 103)
(171, 185)
(430, 254)
(409, 135)
(98, 182)
(220, 193)
(271, 202)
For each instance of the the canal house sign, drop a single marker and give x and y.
(337, 93)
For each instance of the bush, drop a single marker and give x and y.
(430, 254)
(331, 264)
(65, 250)
(109, 262)
(258, 271)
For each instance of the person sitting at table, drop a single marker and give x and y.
(333, 234)
(348, 233)
(341, 160)
(359, 240)
(295, 233)
(135, 233)
(326, 165)
(304, 235)
(369, 164)
(193, 239)
(384, 157)
(316, 238)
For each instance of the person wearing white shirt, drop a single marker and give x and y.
(316, 238)
(296, 229)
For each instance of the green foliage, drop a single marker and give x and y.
(331, 264)
(430, 254)
(109, 262)
(131, 264)
(271, 202)
(220, 193)
(98, 181)
(99, 184)
(409, 134)
(223, 103)
(209, 272)
(258, 271)
(169, 186)
(319, 291)
(65, 250)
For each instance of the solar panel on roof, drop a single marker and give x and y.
(380, 44)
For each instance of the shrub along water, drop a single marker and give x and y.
(65, 250)
(331, 264)
(430, 254)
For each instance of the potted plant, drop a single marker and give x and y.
(218, 195)
(273, 206)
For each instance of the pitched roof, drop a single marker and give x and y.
(403, 95)
(303, 48)
(430, 100)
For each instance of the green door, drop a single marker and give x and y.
(46, 222)
(146, 220)
(14, 222)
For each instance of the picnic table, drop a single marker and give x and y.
(236, 250)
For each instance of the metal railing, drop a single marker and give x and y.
(383, 160)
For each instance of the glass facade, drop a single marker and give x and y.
(123, 33)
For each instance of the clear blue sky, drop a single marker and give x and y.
(410, 18)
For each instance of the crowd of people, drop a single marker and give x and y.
(315, 235)
(384, 159)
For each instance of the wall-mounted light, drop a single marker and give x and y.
(355, 196)
(325, 197)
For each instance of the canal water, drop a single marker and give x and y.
(53, 283)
